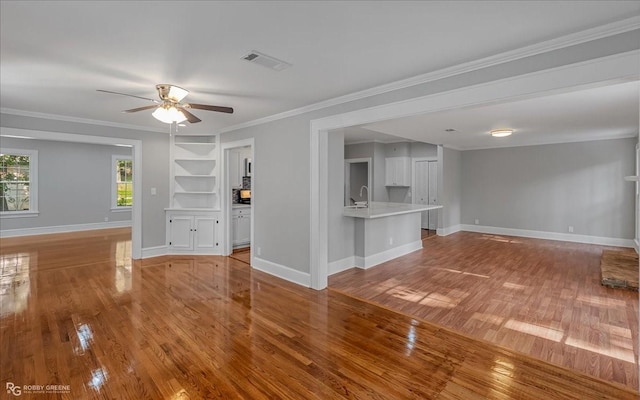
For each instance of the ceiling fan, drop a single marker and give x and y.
(168, 108)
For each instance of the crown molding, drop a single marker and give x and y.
(584, 36)
(65, 118)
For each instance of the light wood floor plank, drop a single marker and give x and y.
(538, 297)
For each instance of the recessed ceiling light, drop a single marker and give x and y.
(501, 132)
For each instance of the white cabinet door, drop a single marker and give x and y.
(181, 232)
(398, 171)
(244, 229)
(205, 232)
(235, 232)
(241, 226)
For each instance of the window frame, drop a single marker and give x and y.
(114, 185)
(33, 183)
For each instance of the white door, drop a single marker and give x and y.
(426, 191)
(433, 194)
(421, 191)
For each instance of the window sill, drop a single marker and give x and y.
(19, 214)
(121, 209)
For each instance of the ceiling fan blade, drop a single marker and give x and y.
(129, 95)
(190, 117)
(227, 110)
(140, 109)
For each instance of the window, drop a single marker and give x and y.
(18, 190)
(122, 186)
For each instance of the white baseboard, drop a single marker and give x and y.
(45, 230)
(636, 246)
(384, 256)
(341, 265)
(283, 272)
(448, 230)
(156, 251)
(565, 237)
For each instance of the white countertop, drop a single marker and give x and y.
(379, 210)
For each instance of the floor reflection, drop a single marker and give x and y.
(15, 283)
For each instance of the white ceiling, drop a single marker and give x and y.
(54, 55)
(606, 112)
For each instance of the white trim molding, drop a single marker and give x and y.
(565, 237)
(342, 265)
(45, 230)
(65, 118)
(599, 32)
(448, 230)
(282, 272)
(384, 256)
(156, 251)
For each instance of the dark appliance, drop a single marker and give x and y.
(245, 196)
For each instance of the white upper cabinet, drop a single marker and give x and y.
(398, 171)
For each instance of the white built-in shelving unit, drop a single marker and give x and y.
(193, 217)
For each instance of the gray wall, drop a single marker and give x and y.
(155, 165)
(74, 183)
(549, 187)
(282, 223)
(341, 241)
(450, 187)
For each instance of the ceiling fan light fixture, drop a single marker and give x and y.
(169, 115)
(177, 93)
(501, 132)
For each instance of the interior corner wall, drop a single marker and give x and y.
(155, 165)
(551, 187)
(280, 197)
(342, 241)
(451, 196)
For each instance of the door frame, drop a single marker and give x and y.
(347, 177)
(225, 193)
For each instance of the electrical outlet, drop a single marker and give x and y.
(477, 222)
(106, 219)
(570, 229)
(390, 241)
(259, 251)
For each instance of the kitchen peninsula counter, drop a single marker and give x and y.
(385, 231)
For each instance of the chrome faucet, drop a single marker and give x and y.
(365, 187)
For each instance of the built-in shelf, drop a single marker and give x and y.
(632, 178)
(194, 172)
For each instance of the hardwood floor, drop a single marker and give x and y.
(77, 312)
(542, 298)
(243, 254)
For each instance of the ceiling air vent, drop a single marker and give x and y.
(266, 61)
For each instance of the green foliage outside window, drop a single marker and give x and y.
(14, 182)
(124, 183)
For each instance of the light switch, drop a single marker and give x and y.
(154, 191)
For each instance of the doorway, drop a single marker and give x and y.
(425, 190)
(357, 181)
(238, 197)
